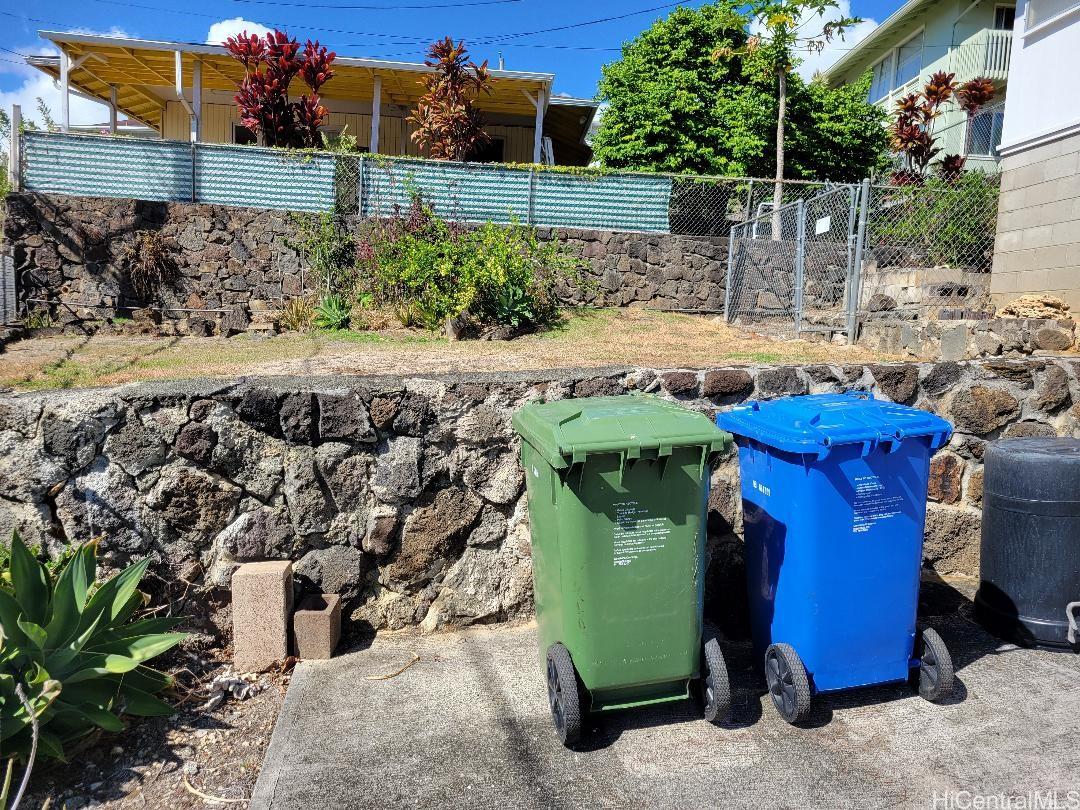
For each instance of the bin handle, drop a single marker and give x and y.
(567, 474)
(1070, 614)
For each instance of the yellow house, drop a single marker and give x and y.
(184, 91)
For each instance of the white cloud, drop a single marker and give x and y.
(39, 85)
(811, 26)
(223, 29)
(33, 84)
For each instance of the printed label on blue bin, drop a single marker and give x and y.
(636, 534)
(873, 504)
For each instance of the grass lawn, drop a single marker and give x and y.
(585, 338)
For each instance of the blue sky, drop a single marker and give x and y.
(574, 54)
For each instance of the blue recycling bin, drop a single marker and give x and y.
(834, 506)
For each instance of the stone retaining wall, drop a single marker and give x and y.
(75, 251)
(968, 339)
(406, 494)
(664, 271)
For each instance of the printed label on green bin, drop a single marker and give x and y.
(636, 534)
(873, 504)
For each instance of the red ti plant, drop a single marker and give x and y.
(447, 122)
(912, 129)
(270, 65)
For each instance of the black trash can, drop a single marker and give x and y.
(1030, 556)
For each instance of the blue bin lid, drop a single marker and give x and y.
(815, 423)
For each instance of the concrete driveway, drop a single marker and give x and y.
(468, 726)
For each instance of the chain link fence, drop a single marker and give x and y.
(762, 257)
(712, 206)
(929, 249)
(847, 254)
(791, 268)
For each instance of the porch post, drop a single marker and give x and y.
(538, 131)
(376, 106)
(65, 89)
(196, 102)
(112, 109)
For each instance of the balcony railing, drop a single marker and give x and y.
(984, 55)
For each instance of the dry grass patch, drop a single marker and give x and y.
(585, 338)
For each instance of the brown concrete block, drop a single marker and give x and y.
(261, 606)
(317, 626)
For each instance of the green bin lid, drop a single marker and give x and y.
(566, 431)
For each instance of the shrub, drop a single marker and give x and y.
(297, 316)
(326, 247)
(332, 312)
(69, 645)
(151, 265)
(271, 63)
(431, 270)
(446, 121)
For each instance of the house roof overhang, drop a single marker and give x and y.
(135, 67)
(567, 122)
(871, 46)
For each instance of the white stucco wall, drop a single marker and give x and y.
(1043, 101)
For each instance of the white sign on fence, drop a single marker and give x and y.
(823, 225)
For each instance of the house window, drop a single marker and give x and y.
(489, 152)
(984, 133)
(1004, 17)
(880, 84)
(1040, 11)
(243, 136)
(908, 60)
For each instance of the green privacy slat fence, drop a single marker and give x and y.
(106, 167)
(626, 202)
(270, 178)
(478, 193)
(455, 190)
(264, 178)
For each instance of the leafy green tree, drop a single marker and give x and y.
(835, 133)
(689, 95)
(665, 96)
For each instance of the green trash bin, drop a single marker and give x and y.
(617, 490)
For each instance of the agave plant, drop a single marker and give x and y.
(332, 312)
(69, 645)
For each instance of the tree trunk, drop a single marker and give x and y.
(778, 180)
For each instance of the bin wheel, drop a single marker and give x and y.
(563, 695)
(714, 690)
(789, 687)
(936, 676)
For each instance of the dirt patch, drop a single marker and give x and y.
(586, 338)
(218, 751)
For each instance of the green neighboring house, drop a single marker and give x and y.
(970, 39)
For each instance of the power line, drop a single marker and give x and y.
(504, 37)
(389, 39)
(420, 7)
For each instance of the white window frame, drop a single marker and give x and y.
(993, 153)
(1034, 28)
(893, 54)
(896, 61)
(1001, 6)
(892, 73)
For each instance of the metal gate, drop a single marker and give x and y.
(794, 269)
